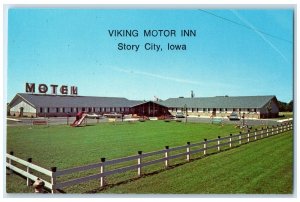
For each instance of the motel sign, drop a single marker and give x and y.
(43, 88)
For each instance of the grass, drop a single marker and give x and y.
(262, 167)
(67, 147)
(285, 115)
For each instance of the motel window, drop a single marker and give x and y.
(225, 109)
(71, 110)
(208, 109)
(204, 109)
(41, 110)
(115, 109)
(240, 109)
(255, 110)
(62, 109)
(57, 109)
(248, 110)
(48, 110)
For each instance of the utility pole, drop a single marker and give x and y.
(185, 107)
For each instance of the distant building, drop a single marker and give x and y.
(43, 105)
(222, 106)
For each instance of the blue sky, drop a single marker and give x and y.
(73, 47)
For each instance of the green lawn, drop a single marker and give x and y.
(67, 147)
(285, 115)
(262, 167)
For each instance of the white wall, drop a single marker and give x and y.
(20, 103)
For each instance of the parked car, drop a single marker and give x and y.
(94, 116)
(179, 115)
(113, 115)
(233, 116)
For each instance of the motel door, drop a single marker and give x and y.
(214, 111)
(21, 111)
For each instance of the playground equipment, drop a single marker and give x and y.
(79, 120)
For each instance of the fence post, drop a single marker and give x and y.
(267, 131)
(102, 180)
(240, 138)
(166, 156)
(272, 129)
(255, 133)
(286, 126)
(10, 162)
(28, 181)
(188, 151)
(230, 140)
(219, 143)
(53, 180)
(248, 135)
(281, 128)
(262, 133)
(204, 147)
(139, 163)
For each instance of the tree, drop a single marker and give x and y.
(290, 106)
(282, 106)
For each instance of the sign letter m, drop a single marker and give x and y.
(30, 87)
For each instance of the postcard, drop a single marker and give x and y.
(150, 101)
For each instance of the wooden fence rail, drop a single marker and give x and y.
(29, 168)
(141, 159)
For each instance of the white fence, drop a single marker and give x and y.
(26, 168)
(141, 160)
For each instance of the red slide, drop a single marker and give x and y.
(78, 122)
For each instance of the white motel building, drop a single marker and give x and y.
(49, 105)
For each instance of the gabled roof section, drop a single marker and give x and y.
(16, 98)
(220, 102)
(144, 102)
(39, 100)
